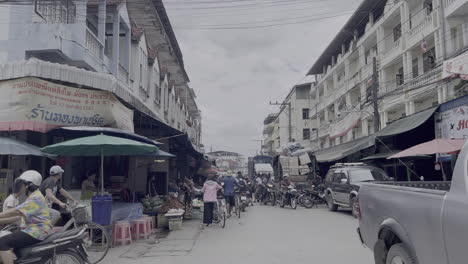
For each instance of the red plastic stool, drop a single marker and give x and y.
(122, 233)
(150, 223)
(140, 228)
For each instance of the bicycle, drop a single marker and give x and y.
(97, 240)
(220, 214)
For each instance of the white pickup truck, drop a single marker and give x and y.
(417, 222)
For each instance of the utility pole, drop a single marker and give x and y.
(375, 98)
(290, 116)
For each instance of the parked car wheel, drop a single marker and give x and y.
(331, 205)
(354, 206)
(399, 254)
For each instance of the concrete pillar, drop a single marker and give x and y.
(408, 66)
(440, 98)
(362, 55)
(335, 80)
(348, 100)
(349, 136)
(439, 46)
(380, 40)
(102, 22)
(383, 119)
(338, 141)
(365, 127)
(405, 17)
(115, 43)
(409, 107)
(327, 120)
(336, 107)
(465, 33)
(363, 90)
(347, 76)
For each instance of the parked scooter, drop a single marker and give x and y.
(289, 197)
(60, 247)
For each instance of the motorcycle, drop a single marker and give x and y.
(311, 198)
(269, 195)
(60, 247)
(289, 197)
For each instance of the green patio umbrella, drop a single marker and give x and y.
(100, 145)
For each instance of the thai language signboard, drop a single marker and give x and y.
(453, 123)
(38, 105)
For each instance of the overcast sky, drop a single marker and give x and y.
(236, 69)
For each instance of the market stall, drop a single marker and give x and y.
(105, 210)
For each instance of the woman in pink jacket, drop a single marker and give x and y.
(210, 197)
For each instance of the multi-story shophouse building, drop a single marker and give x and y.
(270, 142)
(98, 63)
(293, 122)
(396, 47)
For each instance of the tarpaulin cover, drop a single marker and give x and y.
(126, 211)
(343, 150)
(406, 124)
(263, 168)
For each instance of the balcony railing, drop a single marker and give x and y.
(426, 27)
(425, 78)
(93, 44)
(449, 2)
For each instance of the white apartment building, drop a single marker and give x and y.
(410, 41)
(123, 50)
(270, 134)
(293, 122)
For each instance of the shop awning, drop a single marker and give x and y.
(343, 150)
(393, 152)
(161, 154)
(111, 132)
(407, 123)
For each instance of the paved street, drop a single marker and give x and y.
(265, 234)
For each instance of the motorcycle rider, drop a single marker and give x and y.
(34, 215)
(50, 187)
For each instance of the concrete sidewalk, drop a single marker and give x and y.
(177, 243)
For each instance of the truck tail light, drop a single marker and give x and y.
(358, 208)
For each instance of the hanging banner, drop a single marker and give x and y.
(345, 125)
(456, 66)
(38, 105)
(453, 124)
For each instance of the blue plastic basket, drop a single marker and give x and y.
(102, 209)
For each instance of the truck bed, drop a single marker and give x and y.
(431, 185)
(416, 206)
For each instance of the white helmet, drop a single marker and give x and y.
(31, 176)
(285, 176)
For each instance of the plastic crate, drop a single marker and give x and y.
(163, 222)
(102, 209)
(175, 224)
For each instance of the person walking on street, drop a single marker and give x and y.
(230, 182)
(210, 198)
(50, 187)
